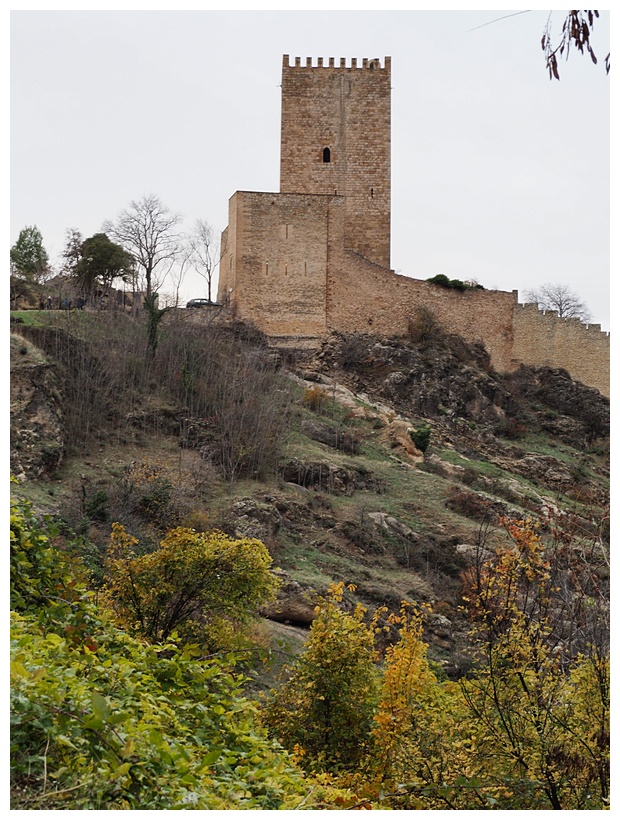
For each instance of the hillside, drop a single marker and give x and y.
(314, 455)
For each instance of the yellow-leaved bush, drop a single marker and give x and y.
(193, 584)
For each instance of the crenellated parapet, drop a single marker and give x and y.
(372, 64)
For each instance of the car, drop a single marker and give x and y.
(198, 303)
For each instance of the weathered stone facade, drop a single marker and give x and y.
(316, 256)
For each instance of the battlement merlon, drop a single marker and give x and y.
(373, 64)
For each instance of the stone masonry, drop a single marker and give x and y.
(315, 257)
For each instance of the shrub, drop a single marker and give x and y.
(96, 507)
(421, 437)
(315, 398)
(324, 711)
(40, 575)
(456, 284)
(104, 721)
(192, 582)
(471, 505)
(424, 327)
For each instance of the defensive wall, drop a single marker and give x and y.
(543, 339)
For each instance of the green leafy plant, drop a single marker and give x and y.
(190, 584)
(421, 437)
(324, 711)
(455, 284)
(101, 720)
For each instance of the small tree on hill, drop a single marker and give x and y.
(101, 262)
(325, 710)
(29, 259)
(72, 252)
(202, 252)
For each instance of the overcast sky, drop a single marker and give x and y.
(498, 174)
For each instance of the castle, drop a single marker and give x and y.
(315, 257)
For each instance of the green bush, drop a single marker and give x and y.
(324, 712)
(421, 437)
(101, 720)
(455, 284)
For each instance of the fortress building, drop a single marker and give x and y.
(315, 257)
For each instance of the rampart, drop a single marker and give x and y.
(542, 338)
(367, 298)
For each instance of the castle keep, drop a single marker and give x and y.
(315, 257)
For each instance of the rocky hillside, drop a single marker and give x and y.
(387, 464)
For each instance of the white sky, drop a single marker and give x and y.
(498, 173)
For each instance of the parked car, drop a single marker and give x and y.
(198, 303)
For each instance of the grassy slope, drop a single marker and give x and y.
(323, 537)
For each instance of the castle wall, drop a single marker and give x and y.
(274, 263)
(543, 339)
(347, 111)
(367, 298)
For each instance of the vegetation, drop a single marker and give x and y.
(190, 473)
(146, 230)
(324, 711)
(421, 437)
(101, 720)
(576, 31)
(100, 263)
(29, 259)
(456, 284)
(527, 729)
(233, 403)
(204, 586)
(29, 263)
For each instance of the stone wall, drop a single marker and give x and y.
(542, 339)
(285, 268)
(367, 298)
(275, 258)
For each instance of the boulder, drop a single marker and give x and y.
(397, 435)
(294, 604)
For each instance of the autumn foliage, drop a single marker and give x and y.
(115, 705)
(527, 729)
(205, 586)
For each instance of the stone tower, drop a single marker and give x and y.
(336, 140)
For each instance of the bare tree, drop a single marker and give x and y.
(203, 252)
(560, 298)
(147, 230)
(178, 273)
(576, 31)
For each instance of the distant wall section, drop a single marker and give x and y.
(543, 339)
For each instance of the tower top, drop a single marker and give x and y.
(371, 64)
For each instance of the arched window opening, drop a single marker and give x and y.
(327, 155)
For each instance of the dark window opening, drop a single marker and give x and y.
(372, 193)
(327, 155)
